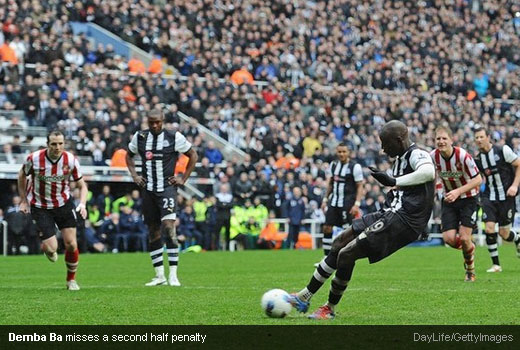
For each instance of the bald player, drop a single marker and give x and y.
(378, 235)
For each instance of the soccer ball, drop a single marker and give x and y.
(275, 303)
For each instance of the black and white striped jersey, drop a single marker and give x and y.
(344, 177)
(498, 171)
(413, 204)
(159, 155)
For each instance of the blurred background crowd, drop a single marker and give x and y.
(329, 72)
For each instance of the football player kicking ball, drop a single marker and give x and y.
(47, 196)
(461, 180)
(377, 235)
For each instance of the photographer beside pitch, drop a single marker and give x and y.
(377, 235)
(47, 196)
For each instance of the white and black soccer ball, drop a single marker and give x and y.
(275, 303)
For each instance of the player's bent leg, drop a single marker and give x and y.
(325, 269)
(49, 247)
(69, 238)
(349, 254)
(172, 249)
(71, 256)
(451, 238)
(510, 235)
(327, 239)
(468, 252)
(491, 241)
(346, 261)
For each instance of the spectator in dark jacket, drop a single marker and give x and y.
(294, 209)
(187, 227)
(104, 201)
(112, 232)
(224, 205)
(243, 188)
(18, 225)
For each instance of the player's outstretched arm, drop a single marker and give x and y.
(424, 173)
(382, 177)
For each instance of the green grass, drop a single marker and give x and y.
(414, 286)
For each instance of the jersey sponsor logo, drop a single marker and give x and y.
(338, 179)
(487, 172)
(52, 178)
(450, 174)
(149, 155)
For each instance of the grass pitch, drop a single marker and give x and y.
(414, 286)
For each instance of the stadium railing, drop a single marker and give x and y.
(102, 36)
(228, 150)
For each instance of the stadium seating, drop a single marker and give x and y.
(313, 79)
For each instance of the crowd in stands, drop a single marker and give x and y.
(332, 71)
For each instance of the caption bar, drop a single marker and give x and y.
(74, 337)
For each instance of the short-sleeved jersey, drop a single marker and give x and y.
(413, 204)
(456, 171)
(344, 177)
(159, 155)
(496, 167)
(49, 180)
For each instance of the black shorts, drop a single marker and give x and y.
(461, 212)
(338, 216)
(380, 234)
(159, 205)
(47, 219)
(502, 212)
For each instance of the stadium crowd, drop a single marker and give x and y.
(335, 71)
